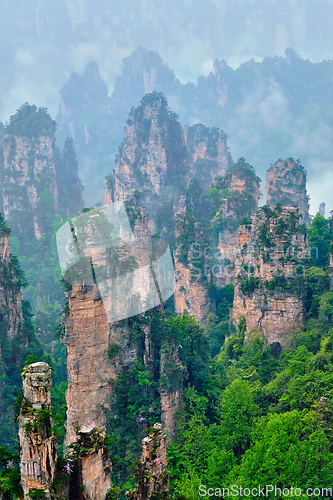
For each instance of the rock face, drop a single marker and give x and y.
(35, 178)
(157, 156)
(152, 154)
(269, 269)
(239, 204)
(38, 445)
(90, 372)
(191, 293)
(11, 318)
(99, 350)
(209, 156)
(286, 184)
(95, 467)
(151, 474)
(11, 315)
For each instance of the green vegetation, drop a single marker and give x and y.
(10, 473)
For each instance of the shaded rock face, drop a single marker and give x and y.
(152, 154)
(38, 445)
(143, 72)
(11, 319)
(242, 203)
(95, 467)
(35, 179)
(158, 157)
(191, 292)
(209, 156)
(28, 169)
(286, 184)
(11, 316)
(151, 474)
(269, 267)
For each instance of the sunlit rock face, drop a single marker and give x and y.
(94, 465)
(286, 184)
(98, 337)
(38, 445)
(269, 271)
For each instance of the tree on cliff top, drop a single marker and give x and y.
(30, 121)
(319, 237)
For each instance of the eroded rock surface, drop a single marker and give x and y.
(38, 445)
(151, 474)
(286, 184)
(269, 268)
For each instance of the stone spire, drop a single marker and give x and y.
(151, 473)
(38, 444)
(286, 184)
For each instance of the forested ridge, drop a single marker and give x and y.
(252, 413)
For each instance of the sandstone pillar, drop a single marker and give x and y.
(38, 445)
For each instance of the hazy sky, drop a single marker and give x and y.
(43, 42)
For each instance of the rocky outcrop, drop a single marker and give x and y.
(36, 181)
(143, 72)
(269, 274)
(94, 464)
(151, 474)
(29, 167)
(191, 292)
(38, 445)
(11, 318)
(158, 157)
(241, 186)
(209, 155)
(152, 154)
(286, 184)
(100, 346)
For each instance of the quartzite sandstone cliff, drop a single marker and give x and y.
(270, 266)
(286, 184)
(38, 444)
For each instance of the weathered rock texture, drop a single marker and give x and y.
(11, 320)
(208, 153)
(286, 184)
(239, 204)
(98, 352)
(203, 261)
(269, 270)
(29, 167)
(35, 179)
(11, 316)
(191, 293)
(38, 445)
(95, 467)
(152, 153)
(151, 474)
(157, 156)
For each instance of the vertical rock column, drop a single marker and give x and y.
(151, 474)
(270, 269)
(95, 464)
(38, 445)
(190, 294)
